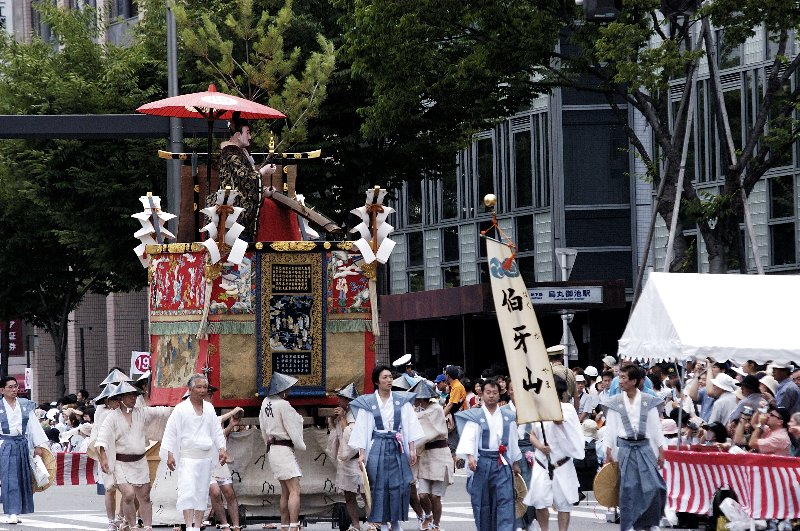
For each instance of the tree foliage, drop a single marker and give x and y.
(245, 49)
(65, 205)
(438, 71)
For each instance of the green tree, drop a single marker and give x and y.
(485, 60)
(65, 205)
(245, 50)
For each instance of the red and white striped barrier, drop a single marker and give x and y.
(74, 468)
(767, 486)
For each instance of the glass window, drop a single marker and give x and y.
(451, 277)
(782, 233)
(781, 197)
(449, 184)
(728, 55)
(596, 165)
(416, 281)
(782, 240)
(449, 236)
(485, 170)
(541, 151)
(415, 249)
(733, 104)
(414, 202)
(524, 233)
(527, 267)
(523, 169)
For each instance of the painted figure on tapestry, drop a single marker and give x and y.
(176, 360)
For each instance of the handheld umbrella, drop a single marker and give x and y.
(211, 106)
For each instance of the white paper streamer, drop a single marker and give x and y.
(146, 234)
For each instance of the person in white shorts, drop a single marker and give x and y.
(433, 470)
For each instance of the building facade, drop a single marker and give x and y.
(565, 175)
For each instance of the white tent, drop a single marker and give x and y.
(725, 317)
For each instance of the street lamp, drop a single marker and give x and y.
(566, 259)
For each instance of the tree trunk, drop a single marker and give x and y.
(59, 338)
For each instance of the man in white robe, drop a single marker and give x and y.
(282, 429)
(193, 440)
(554, 481)
(121, 444)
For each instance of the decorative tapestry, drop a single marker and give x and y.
(291, 324)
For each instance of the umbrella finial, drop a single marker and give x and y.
(212, 87)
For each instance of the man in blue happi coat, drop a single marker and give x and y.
(385, 433)
(488, 444)
(21, 434)
(634, 438)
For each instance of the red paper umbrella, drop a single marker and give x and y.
(209, 105)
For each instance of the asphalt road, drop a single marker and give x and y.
(80, 508)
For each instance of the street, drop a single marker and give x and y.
(78, 507)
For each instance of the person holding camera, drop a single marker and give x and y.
(768, 434)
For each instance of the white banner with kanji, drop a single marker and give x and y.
(531, 373)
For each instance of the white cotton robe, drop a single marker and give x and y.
(361, 437)
(117, 435)
(279, 421)
(565, 439)
(195, 441)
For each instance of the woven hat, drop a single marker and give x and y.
(591, 371)
(606, 485)
(724, 382)
(404, 382)
(669, 427)
(520, 491)
(114, 377)
(50, 463)
(366, 489)
(279, 383)
(142, 380)
(589, 428)
(770, 383)
(348, 392)
(101, 398)
(123, 388)
(85, 429)
(423, 390)
(609, 360)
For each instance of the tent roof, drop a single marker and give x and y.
(725, 317)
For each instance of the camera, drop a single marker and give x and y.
(747, 411)
(693, 425)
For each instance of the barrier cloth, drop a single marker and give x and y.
(767, 486)
(256, 489)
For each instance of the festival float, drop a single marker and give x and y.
(237, 311)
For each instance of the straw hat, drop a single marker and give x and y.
(423, 390)
(606, 485)
(366, 489)
(279, 383)
(50, 463)
(770, 383)
(520, 491)
(348, 392)
(114, 377)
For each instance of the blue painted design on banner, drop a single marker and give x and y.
(497, 271)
